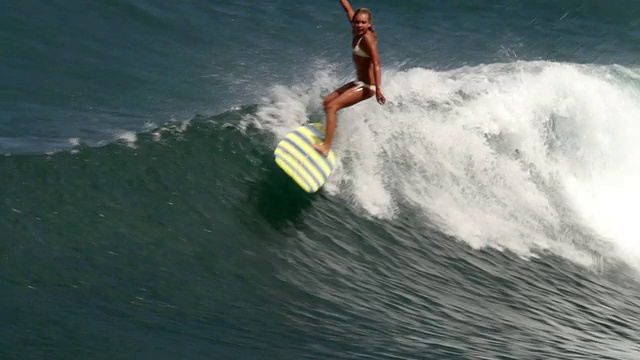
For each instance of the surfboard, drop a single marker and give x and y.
(304, 164)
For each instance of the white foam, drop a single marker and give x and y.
(128, 137)
(485, 152)
(602, 174)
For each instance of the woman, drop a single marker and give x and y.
(367, 62)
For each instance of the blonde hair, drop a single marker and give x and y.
(368, 13)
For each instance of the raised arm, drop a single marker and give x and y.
(347, 7)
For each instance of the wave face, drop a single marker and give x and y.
(449, 227)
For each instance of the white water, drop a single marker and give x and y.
(500, 155)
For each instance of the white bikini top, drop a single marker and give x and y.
(358, 51)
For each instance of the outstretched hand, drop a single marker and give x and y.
(380, 97)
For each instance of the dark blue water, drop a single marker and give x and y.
(487, 211)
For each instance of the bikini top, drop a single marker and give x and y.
(358, 51)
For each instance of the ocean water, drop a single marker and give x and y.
(487, 211)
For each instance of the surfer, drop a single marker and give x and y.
(367, 62)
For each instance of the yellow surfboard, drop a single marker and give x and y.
(304, 164)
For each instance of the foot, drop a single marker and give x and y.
(322, 149)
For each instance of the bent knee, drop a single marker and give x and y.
(326, 102)
(332, 106)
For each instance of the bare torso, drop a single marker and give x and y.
(364, 65)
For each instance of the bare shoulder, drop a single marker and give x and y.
(370, 39)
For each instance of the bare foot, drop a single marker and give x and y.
(322, 149)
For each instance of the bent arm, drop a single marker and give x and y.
(375, 59)
(347, 7)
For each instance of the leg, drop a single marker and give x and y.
(350, 97)
(334, 95)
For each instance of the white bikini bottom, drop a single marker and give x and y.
(361, 85)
